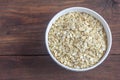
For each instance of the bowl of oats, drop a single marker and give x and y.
(78, 39)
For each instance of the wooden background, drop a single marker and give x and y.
(23, 55)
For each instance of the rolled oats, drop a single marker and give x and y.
(77, 40)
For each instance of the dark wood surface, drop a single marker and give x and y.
(43, 68)
(23, 55)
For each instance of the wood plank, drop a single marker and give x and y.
(23, 23)
(44, 68)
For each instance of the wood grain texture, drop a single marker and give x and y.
(23, 23)
(23, 55)
(43, 68)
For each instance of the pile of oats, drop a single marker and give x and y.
(77, 40)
